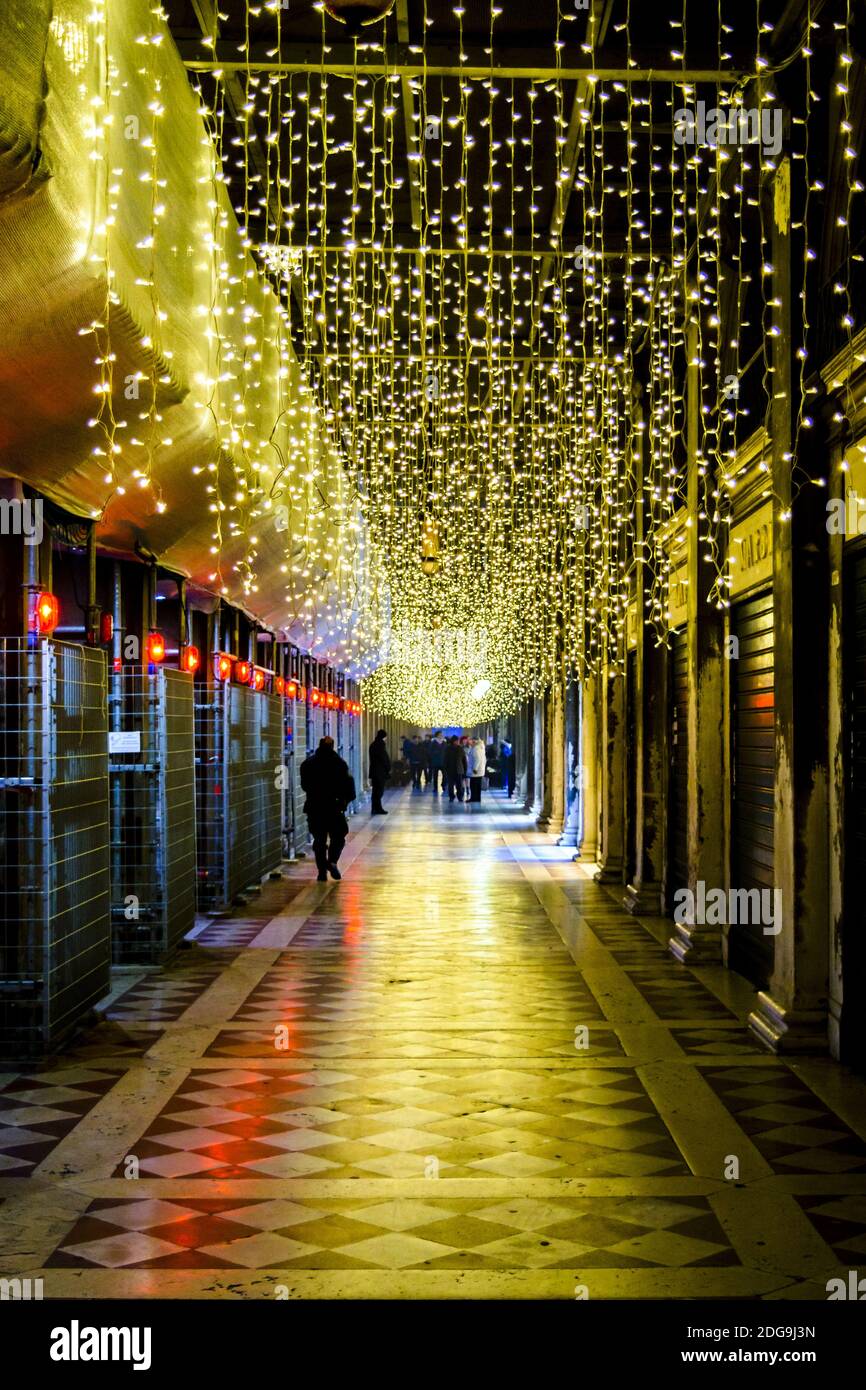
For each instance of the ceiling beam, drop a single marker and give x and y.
(498, 359)
(508, 252)
(401, 61)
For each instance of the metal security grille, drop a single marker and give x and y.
(152, 762)
(750, 950)
(211, 782)
(255, 759)
(297, 722)
(239, 741)
(54, 873)
(679, 770)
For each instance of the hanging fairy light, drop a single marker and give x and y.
(480, 419)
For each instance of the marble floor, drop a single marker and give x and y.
(462, 1072)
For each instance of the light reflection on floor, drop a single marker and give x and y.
(421, 1090)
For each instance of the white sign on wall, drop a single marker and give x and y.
(124, 742)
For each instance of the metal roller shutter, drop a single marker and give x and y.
(853, 1022)
(678, 819)
(750, 950)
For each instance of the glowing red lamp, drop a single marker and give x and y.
(243, 672)
(44, 614)
(257, 680)
(292, 690)
(222, 666)
(315, 697)
(155, 648)
(279, 686)
(190, 660)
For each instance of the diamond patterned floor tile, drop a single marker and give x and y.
(432, 1104)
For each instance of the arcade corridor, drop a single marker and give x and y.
(464, 1071)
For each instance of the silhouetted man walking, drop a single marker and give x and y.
(455, 768)
(380, 771)
(330, 787)
(437, 760)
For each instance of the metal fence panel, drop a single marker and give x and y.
(211, 767)
(54, 834)
(179, 806)
(301, 750)
(255, 756)
(239, 752)
(296, 751)
(152, 813)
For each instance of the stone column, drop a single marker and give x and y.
(529, 754)
(552, 817)
(537, 734)
(644, 893)
(791, 1015)
(589, 764)
(571, 825)
(612, 776)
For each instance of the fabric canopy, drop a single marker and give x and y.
(178, 303)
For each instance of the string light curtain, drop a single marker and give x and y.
(450, 318)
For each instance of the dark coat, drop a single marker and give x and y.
(437, 752)
(380, 763)
(328, 783)
(455, 760)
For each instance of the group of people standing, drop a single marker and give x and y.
(447, 764)
(439, 763)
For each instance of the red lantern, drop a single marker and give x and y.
(292, 690)
(106, 627)
(44, 614)
(190, 660)
(155, 648)
(315, 697)
(257, 680)
(280, 685)
(222, 666)
(243, 671)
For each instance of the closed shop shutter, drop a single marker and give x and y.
(853, 1021)
(750, 949)
(679, 772)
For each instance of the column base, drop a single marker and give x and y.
(568, 839)
(609, 871)
(586, 854)
(788, 1030)
(643, 900)
(694, 943)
